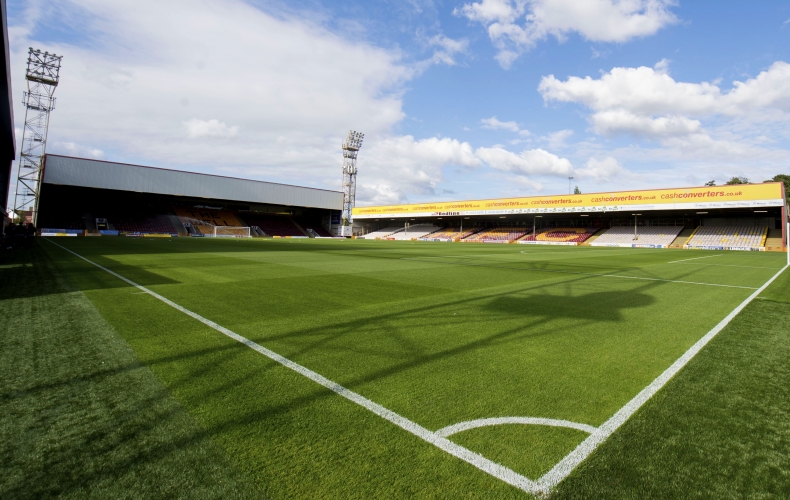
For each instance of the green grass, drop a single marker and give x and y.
(81, 416)
(721, 429)
(439, 333)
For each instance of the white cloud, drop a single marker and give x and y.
(556, 140)
(493, 11)
(280, 115)
(144, 89)
(648, 91)
(662, 66)
(515, 26)
(398, 166)
(621, 121)
(208, 128)
(603, 170)
(447, 49)
(74, 149)
(523, 183)
(603, 54)
(494, 124)
(699, 120)
(528, 162)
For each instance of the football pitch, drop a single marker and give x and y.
(340, 369)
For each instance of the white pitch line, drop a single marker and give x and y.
(623, 276)
(485, 422)
(728, 265)
(548, 481)
(574, 458)
(695, 258)
(500, 472)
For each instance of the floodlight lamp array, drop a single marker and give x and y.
(43, 67)
(353, 141)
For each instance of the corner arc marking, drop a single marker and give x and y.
(545, 484)
(565, 466)
(486, 422)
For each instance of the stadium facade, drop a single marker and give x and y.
(716, 216)
(99, 198)
(84, 197)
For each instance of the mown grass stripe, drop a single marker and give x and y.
(500, 472)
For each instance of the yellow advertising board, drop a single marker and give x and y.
(769, 194)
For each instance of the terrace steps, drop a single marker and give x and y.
(682, 238)
(773, 243)
(300, 228)
(592, 238)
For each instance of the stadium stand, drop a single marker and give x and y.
(745, 237)
(657, 236)
(382, 233)
(314, 227)
(682, 238)
(497, 235)
(449, 234)
(557, 235)
(141, 223)
(774, 242)
(588, 242)
(63, 221)
(212, 216)
(273, 225)
(415, 231)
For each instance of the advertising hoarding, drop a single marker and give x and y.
(769, 194)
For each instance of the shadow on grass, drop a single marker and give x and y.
(605, 306)
(70, 267)
(596, 306)
(81, 417)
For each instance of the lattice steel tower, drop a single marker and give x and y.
(351, 147)
(43, 74)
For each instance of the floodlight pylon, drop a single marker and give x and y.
(351, 147)
(43, 76)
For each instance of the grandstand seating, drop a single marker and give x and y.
(319, 229)
(382, 233)
(415, 231)
(314, 225)
(273, 225)
(561, 235)
(449, 234)
(141, 223)
(63, 221)
(497, 235)
(212, 216)
(624, 235)
(741, 236)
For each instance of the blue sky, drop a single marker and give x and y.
(458, 100)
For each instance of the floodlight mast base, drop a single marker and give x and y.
(43, 75)
(351, 147)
